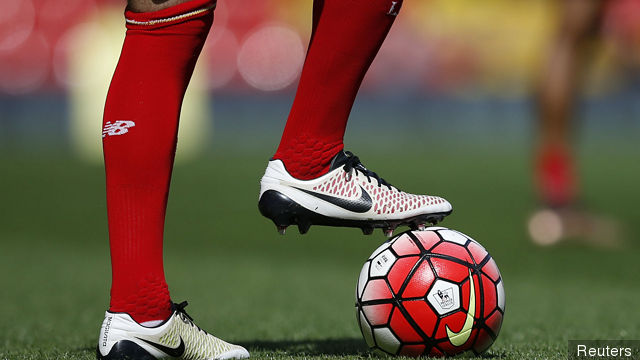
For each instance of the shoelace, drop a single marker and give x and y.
(353, 163)
(179, 308)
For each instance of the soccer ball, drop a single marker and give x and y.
(434, 292)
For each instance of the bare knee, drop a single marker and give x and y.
(151, 5)
(581, 19)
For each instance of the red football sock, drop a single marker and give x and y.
(139, 140)
(555, 174)
(346, 37)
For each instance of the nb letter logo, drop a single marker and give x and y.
(119, 127)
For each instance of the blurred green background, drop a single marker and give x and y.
(292, 295)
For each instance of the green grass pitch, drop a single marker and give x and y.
(292, 296)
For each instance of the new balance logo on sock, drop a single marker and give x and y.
(119, 127)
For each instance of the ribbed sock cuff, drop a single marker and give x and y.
(169, 16)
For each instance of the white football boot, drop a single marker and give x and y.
(177, 338)
(348, 195)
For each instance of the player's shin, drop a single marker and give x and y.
(139, 140)
(346, 38)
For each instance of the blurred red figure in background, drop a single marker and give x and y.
(556, 179)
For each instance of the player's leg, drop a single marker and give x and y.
(345, 39)
(560, 78)
(560, 217)
(139, 140)
(310, 179)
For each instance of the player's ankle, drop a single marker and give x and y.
(145, 317)
(556, 180)
(144, 307)
(308, 163)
